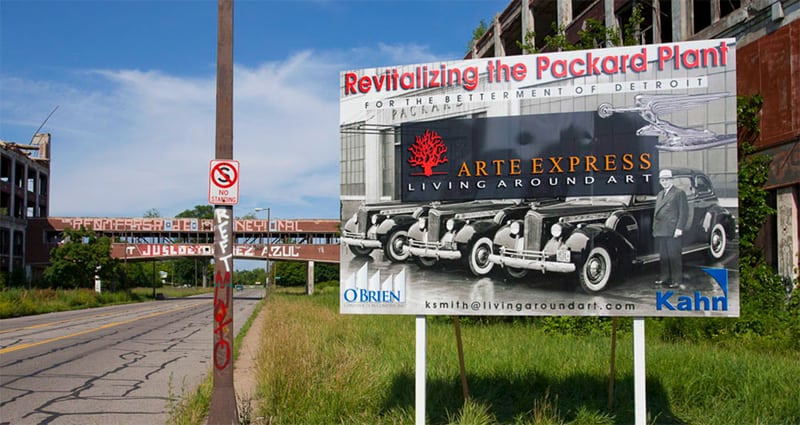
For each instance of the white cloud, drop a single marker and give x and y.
(125, 141)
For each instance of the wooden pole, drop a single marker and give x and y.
(223, 409)
(464, 388)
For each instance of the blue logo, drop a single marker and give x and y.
(371, 296)
(697, 302)
(363, 288)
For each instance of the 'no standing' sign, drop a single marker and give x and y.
(223, 184)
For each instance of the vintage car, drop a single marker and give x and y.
(382, 226)
(596, 236)
(462, 231)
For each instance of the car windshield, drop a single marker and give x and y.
(605, 199)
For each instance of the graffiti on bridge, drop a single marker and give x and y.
(190, 225)
(294, 252)
(239, 250)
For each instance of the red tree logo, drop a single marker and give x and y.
(427, 152)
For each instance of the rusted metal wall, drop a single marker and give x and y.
(770, 66)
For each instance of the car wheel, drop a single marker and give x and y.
(425, 262)
(360, 251)
(479, 263)
(717, 241)
(514, 272)
(596, 271)
(396, 248)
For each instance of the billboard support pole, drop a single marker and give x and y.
(462, 368)
(639, 393)
(612, 363)
(419, 387)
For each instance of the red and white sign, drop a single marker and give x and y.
(223, 184)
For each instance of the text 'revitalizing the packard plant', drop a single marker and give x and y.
(589, 63)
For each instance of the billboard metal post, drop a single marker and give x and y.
(612, 364)
(223, 409)
(639, 391)
(420, 370)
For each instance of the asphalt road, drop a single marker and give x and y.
(111, 365)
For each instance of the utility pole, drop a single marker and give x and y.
(223, 410)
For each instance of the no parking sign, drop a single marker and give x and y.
(223, 184)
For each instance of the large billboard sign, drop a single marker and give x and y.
(599, 182)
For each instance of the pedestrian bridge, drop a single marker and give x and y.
(137, 239)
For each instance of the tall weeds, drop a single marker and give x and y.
(319, 367)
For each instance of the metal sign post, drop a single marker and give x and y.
(419, 386)
(223, 397)
(639, 393)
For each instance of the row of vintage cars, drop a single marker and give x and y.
(594, 238)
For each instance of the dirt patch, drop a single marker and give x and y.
(245, 366)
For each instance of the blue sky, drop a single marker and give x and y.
(134, 83)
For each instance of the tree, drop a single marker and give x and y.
(199, 211)
(73, 263)
(427, 152)
(152, 213)
(593, 35)
(189, 271)
(290, 273)
(139, 274)
(477, 33)
(250, 277)
(326, 272)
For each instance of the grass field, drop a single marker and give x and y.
(319, 367)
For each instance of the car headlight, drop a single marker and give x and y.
(421, 223)
(450, 225)
(515, 228)
(374, 219)
(556, 230)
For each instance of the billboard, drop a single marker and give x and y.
(592, 183)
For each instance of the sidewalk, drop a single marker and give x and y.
(245, 367)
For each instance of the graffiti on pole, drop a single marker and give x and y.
(223, 298)
(222, 319)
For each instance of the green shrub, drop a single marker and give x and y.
(576, 325)
(767, 319)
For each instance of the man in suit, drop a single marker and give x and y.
(670, 219)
